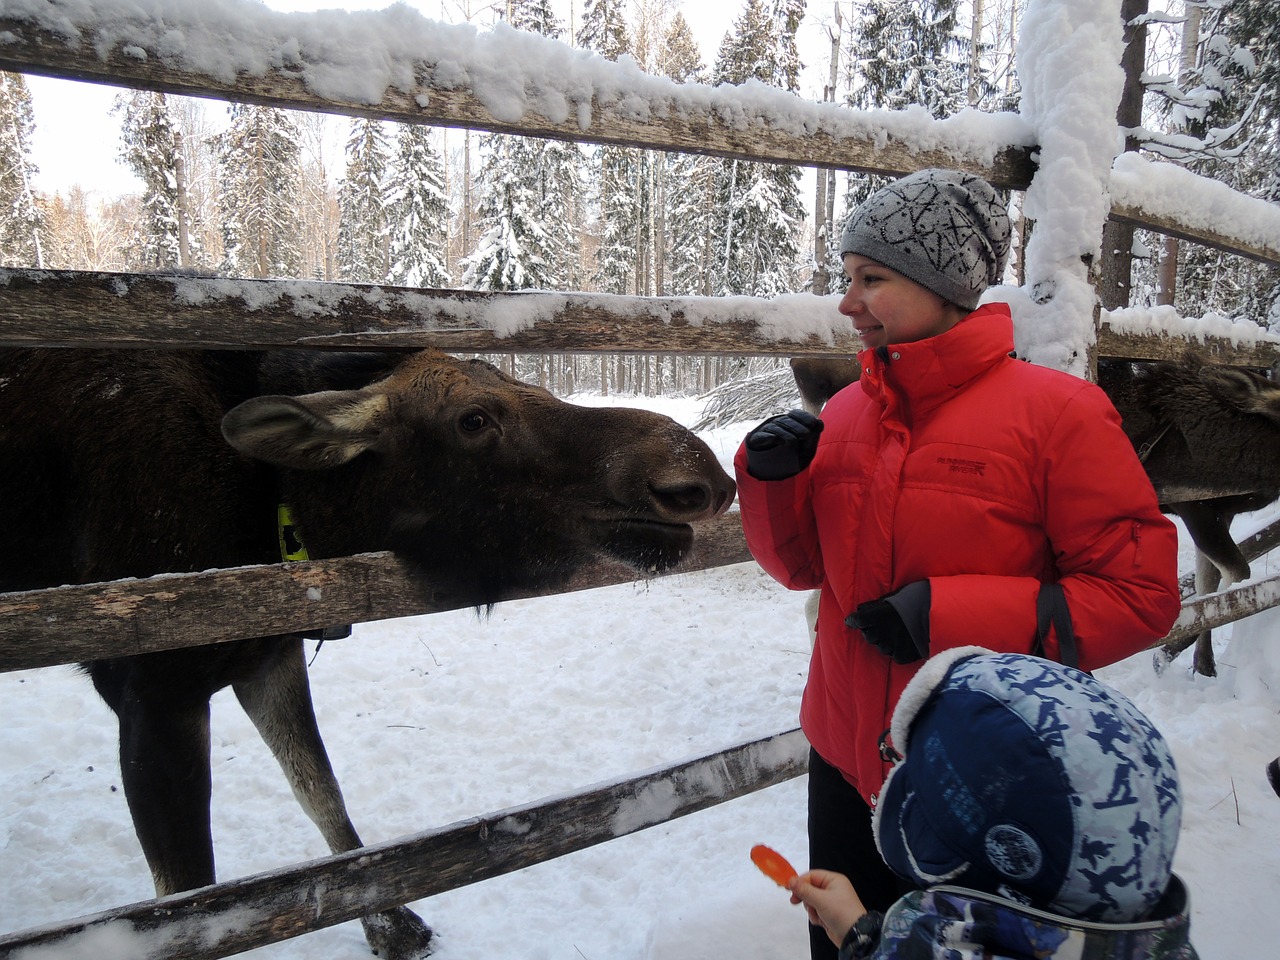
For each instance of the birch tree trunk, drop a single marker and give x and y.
(1116, 270)
(975, 39)
(824, 192)
(1167, 279)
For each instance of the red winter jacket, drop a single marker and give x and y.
(950, 461)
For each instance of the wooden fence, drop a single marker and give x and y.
(76, 309)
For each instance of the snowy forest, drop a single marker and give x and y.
(436, 721)
(250, 191)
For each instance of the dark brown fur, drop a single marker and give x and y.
(132, 463)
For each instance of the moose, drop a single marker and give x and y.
(129, 463)
(1188, 420)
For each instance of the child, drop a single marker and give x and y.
(1039, 808)
(952, 496)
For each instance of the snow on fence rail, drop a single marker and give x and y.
(502, 82)
(64, 308)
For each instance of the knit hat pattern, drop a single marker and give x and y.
(1031, 780)
(944, 229)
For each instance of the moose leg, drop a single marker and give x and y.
(1208, 579)
(164, 764)
(1217, 556)
(277, 698)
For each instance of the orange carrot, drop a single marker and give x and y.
(772, 864)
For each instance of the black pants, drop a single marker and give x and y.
(840, 839)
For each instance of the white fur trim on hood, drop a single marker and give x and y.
(918, 690)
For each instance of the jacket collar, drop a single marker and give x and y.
(970, 925)
(929, 371)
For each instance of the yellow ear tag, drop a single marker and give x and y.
(291, 545)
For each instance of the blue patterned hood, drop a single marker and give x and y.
(952, 923)
(1033, 781)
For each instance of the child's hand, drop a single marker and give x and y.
(830, 901)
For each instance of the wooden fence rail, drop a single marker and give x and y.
(229, 918)
(72, 624)
(714, 127)
(69, 308)
(660, 118)
(73, 308)
(1218, 609)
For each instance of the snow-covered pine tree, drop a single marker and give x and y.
(258, 168)
(20, 220)
(689, 210)
(908, 53)
(527, 189)
(554, 166)
(619, 171)
(604, 28)
(151, 147)
(604, 31)
(535, 16)
(558, 168)
(511, 253)
(1225, 112)
(419, 211)
(362, 204)
(756, 248)
(787, 17)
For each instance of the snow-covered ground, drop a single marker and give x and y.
(434, 719)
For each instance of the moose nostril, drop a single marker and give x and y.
(683, 499)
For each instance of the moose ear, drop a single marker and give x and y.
(1244, 391)
(316, 431)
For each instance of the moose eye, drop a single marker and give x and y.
(473, 421)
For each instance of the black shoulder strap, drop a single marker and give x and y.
(1051, 609)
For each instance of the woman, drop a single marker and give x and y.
(952, 496)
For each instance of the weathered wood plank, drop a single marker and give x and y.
(228, 918)
(68, 308)
(1251, 548)
(1261, 542)
(1123, 346)
(73, 308)
(1218, 609)
(32, 48)
(72, 624)
(1218, 240)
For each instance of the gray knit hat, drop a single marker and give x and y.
(946, 230)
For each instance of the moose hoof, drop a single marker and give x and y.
(398, 934)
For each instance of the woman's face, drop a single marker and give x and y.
(886, 307)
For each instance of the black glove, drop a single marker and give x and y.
(782, 446)
(897, 624)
